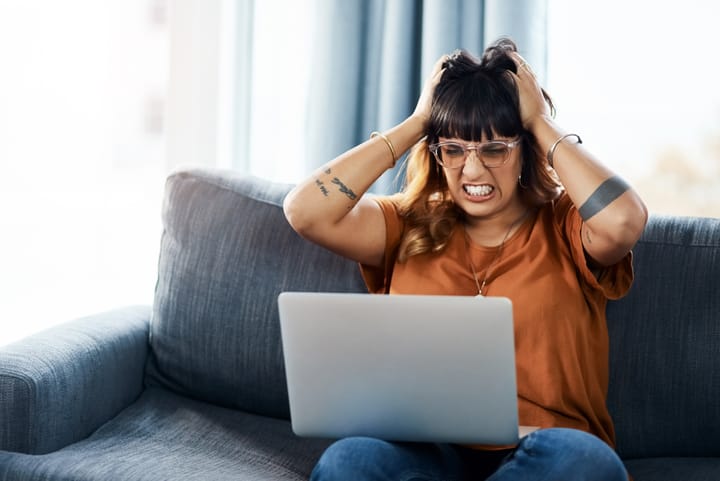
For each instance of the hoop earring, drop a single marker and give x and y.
(520, 183)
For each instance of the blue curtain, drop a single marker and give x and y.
(372, 56)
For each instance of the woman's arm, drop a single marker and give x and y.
(331, 209)
(614, 215)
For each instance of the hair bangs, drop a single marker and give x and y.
(474, 108)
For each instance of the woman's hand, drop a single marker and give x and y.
(422, 109)
(532, 102)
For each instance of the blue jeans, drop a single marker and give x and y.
(556, 454)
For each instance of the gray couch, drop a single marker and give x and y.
(193, 388)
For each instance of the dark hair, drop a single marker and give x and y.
(473, 99)
(477, 98)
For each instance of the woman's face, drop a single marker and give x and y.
(481, 191)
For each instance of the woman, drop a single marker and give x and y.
(499, 201)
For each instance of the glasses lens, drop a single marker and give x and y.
(452, 155)
(494, 154)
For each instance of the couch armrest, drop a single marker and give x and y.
(58, 386)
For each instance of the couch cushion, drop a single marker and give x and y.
(163, 436)
(226, 253)
(674, 469)
(664, 391)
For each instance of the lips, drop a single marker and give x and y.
(482, 190)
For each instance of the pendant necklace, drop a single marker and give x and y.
(498, 251)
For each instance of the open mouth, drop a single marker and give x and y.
(478, 190)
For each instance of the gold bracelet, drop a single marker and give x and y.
(551, 152)
(388, 143)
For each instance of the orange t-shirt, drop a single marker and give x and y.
(561, 337)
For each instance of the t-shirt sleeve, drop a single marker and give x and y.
(378, 279)
(613, 281)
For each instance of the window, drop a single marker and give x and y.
(84, 147)
(281, 70)
(82, 153)
(638, 81)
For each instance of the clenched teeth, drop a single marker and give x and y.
(480, 190)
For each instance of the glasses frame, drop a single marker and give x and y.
(434, 149)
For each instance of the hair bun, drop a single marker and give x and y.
(497, 55)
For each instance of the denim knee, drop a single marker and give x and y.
(369, 459)
(351, 458)
(560, 454)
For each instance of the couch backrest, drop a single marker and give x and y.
(226, 253)
(664, 391)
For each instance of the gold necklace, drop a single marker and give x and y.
(498, 251)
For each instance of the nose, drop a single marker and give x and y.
(473, 164)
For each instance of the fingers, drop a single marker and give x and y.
(424, 105)
(437, 71)
(519, 60)
(532, 101)
(439, 65)
(522, 65)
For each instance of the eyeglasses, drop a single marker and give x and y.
(453, 155)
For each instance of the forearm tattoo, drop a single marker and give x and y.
(607, 192)
(321, 186)
(341, 186)
(344, 189)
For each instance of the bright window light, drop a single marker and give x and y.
(638, 82)
(82, 158)
(281, 70)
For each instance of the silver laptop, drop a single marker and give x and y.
(400, 367)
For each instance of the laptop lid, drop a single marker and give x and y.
(400, 367)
